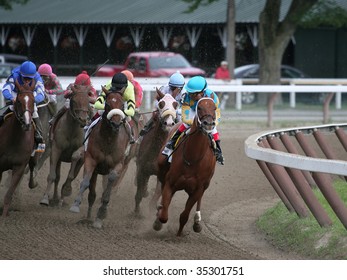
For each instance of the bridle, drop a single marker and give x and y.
(109, 113)
(74, 112)
(202, 123)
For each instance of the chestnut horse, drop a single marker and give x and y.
(108, 153)
(191, 169)
(146, 162)
(17, 141)
(67, 136)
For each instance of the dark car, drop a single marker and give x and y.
(6, 69)
(251, 71)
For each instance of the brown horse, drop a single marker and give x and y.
(146, 162)
(67, 136)
(108, 153)
(17, 141)
(192, 167)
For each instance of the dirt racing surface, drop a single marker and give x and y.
(238, 195)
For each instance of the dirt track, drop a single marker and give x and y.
(238, 194)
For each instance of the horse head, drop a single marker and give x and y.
(24, 104)
(79, 104)
(206, 114)
(114, 109)
(167, 106)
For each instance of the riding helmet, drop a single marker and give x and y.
(45, 70)
(176, 80)
(119, 81)
(83, 79)
(196, 84)
(28, 69)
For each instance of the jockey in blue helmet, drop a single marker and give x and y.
(196, 88)
(173, 87)
(25, 74)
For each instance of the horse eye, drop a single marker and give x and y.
(161, 104)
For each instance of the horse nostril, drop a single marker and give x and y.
(173, 123)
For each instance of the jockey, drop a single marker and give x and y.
(173, 87)
(137, 88)
(82, 79)
(52, 86)
(196, 88)
(26, 73)
(121, 84)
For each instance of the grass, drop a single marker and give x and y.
(304, 235)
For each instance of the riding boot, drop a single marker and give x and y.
(130, 132)
(171, 143)
(147, 127)
(2, 117)
(218, 153)
(38, 136)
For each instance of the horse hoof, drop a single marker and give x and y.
(97, 223)
(157, 225)
(75, 209)
(33, 186)
(197, 227)
(44, 201)
(66, 190)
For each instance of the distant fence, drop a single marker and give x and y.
(237, 86)
(293, 175)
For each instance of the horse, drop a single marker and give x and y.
(17, 141)
(191, 169)
(146, 162)
(66, 137)
(108, 153)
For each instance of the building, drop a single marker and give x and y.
(75, 35)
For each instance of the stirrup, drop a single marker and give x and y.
(220, 159)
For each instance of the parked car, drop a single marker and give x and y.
(6, 69)
(252, 71)
(152, 64)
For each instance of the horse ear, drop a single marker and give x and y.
(160, 93)
(105, 90)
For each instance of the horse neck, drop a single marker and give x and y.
(197, 140)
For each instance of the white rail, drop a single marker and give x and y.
(301, 162)
(233, 86)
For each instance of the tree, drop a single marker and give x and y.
(7, 4)
(274, 37)
(230, 25)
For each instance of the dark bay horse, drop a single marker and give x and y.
(192, 167)
(67, 136)
(108, 153)
(17, 141)
(146, 162)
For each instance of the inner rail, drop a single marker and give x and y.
(297, 160)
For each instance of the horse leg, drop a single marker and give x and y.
(192, 199)
(33, 172)
(154, 200)
(197, 217)
(76, 165)
(17, 174)
(113, 179)
(89, 167)
(142, 182)
(55, 199)
(51, 176)
(163, 208)
(92, 194)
